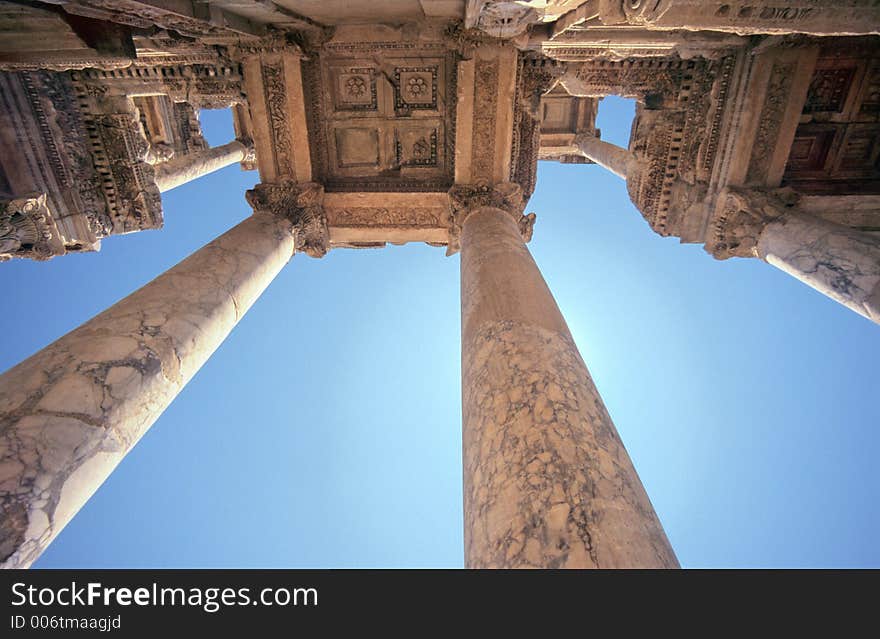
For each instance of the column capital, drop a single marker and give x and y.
(250, 153)
(27, 229)
(740, 216)
(302, 204)
(464, 199)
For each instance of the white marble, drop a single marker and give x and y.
(547, 480)
(609, 156)
(186, 168)
(839, 261)
(71, 412)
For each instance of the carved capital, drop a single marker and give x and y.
(465, 199)
(250, 155)
(303, 205)
(740, 217)
(504, 19)
(27, 229)
(158, 153)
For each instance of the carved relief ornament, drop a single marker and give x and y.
(303, 205)
(741, 216)
(27, 229)
(465, 199)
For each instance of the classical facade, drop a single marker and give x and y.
(757, 135)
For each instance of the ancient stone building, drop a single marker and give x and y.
(757, 135)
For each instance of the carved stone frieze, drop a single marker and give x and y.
(485, 108)
(303, 205)
(465, 199)
(208, 84)
(740, 217)
(408, 217)
(675, 135)
(778, 89)
(746, 17)
(27, 229)
(631, 78)
(275, 93)
(147, 15)
(136, 203)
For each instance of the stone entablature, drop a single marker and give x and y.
(86, 153)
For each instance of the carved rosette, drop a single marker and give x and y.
(303, 205)
(27, 229)
(465, 199)
(644, 12)
(740, 217)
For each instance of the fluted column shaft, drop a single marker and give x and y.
(547, 481)
(610, 156)
(186, 168)
(838, 261)
(70, 413)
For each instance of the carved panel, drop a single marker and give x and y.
(389, 125)
(829, 89)
(275, 95)
(416, 146)
(870, 104)
(778, 89)
(485, 109)
(407, 217)
(836, 146)
(415, 87)
(356, 148)
(811, 147)
(354, 88)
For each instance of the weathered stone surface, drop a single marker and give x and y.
(612, 157)
(187, 168)
(70, 413)
(547, 481)
(838, 261)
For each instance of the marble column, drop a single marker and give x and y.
(70, 413)
(838, 261)
(186, 168)
(547, 481)
(610, 156)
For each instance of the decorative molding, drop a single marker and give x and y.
(406, 217)
(275, 95)
(630, 78)
(303, 205)
(146, 15)
(778, 90)
(485, 112)
(208, 84)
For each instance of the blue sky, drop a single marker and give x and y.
(326, 431)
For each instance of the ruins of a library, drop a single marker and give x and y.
(757, 135)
